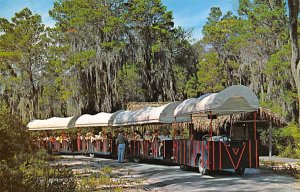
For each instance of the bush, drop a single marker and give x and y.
(23, 170)
(13, 136)
(288, 141)
(32, 173)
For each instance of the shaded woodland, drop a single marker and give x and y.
(102, 54)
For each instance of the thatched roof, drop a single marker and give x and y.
(132, 106)
(264, 116)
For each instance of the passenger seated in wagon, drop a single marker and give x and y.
(147, 142)
(68, 142)
(104, 141)
(177, 134)
(155, 143)
(137, 139)
(109, 141)
(165, 137)
(147, 136)
(137, 136)
(89, 142)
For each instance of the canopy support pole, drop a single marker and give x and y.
(230, 128)
(211, 130)
(191, 129)
(254, 125)
(270, 139)
(174, 128)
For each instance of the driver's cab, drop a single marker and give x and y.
(222, 138)
(238, 132)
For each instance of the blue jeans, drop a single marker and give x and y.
(121, 153)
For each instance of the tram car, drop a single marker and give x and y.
(147, 141)
(233, 147)
(217, 152)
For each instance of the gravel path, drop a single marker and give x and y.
(153, 177)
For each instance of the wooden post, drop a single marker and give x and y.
(270, 139)
(174, 128)
(191, 128)
(211, 129)
(254, 125)
(230, 129)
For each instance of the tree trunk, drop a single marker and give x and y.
(293, 19)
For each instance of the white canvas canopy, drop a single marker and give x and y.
(101, 119)
(162, 114)
(124, 118)
(150, 115)
(234, 99)
(140, 116)
(52, 123)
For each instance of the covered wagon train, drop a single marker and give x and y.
(167, 132)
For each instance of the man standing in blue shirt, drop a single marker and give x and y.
(122, 140)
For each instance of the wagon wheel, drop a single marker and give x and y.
(202, 170)
(239, 171)
(136, 160)
(183, 167)
(206, 137)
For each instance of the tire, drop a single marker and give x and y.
(136, 160)
(183, 167)
(239, 171)
(202, 170)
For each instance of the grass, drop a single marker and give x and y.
(286, 168)
(106, 178)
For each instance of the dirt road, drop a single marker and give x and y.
(153, 177)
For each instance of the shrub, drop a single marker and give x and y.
(14, 139)
(288, 141)
(31, 173)
(23, 170)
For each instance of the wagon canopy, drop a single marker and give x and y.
(234, 99)
(124, 118)
(52, 123)
(150, 115)
(101, 119)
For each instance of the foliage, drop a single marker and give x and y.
(94, 181)
(191, 87)
(21, 169)
(14, 138)
(23, 50)
(210, 79)
(278, 72)
(129, 85)
(31, 173)
(119, 51)
(254, 51)
(102, 54)
(288, 141)
(280, 167)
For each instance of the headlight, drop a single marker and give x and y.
(229, 139)
(225, 139)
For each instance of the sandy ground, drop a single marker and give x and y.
(152, 177)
